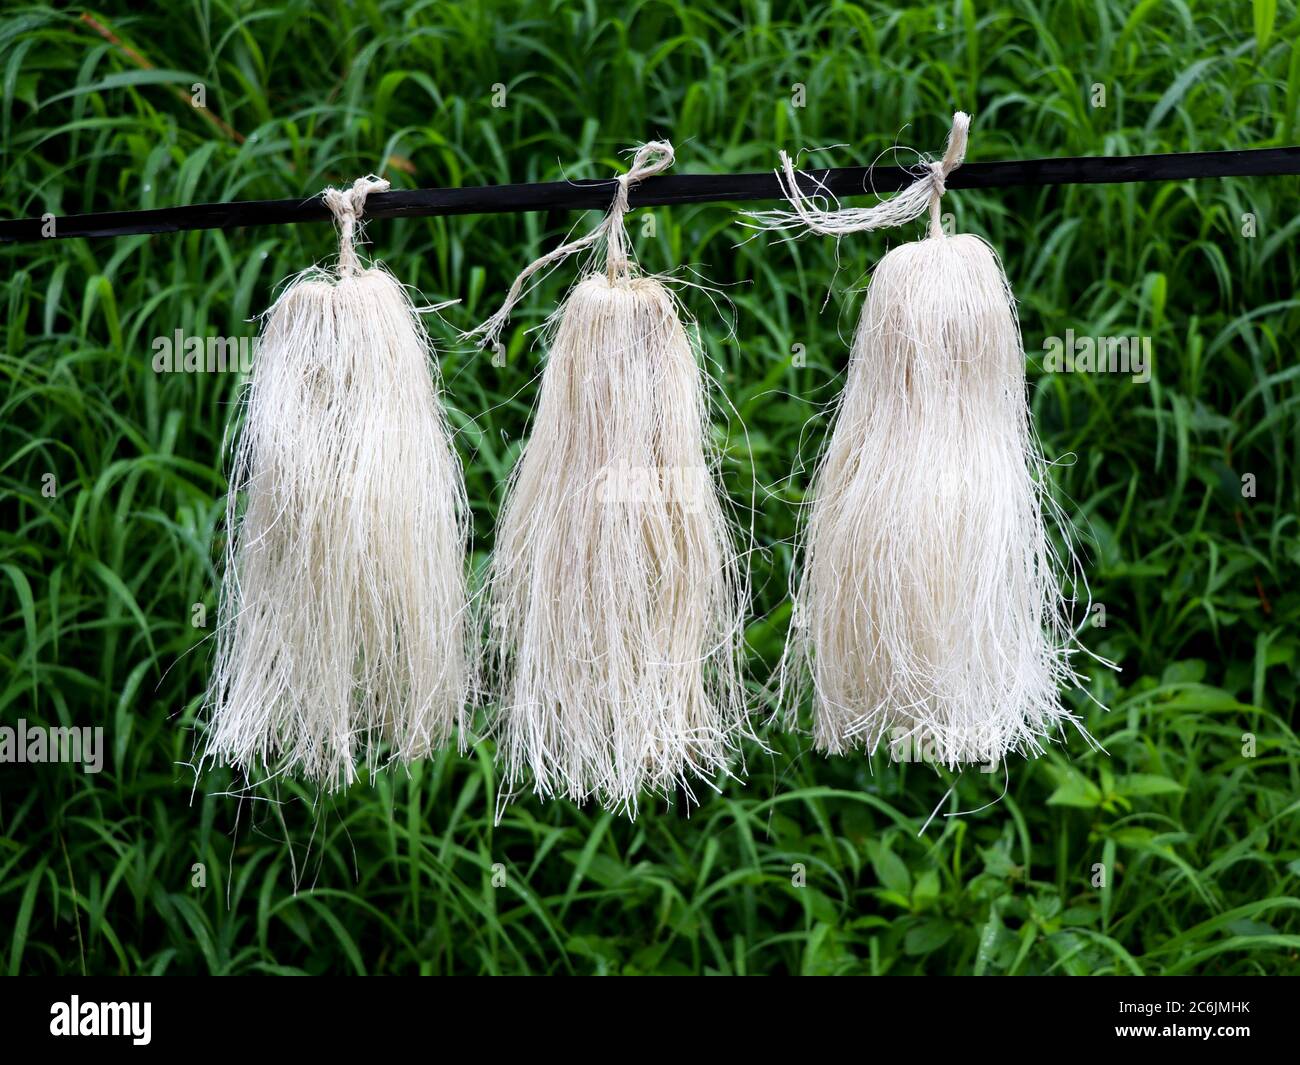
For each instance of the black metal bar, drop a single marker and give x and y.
(662, 191)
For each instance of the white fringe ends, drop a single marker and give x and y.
(616, 601)
(343, 635)
(930, 612)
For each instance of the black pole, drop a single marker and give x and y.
(659, 191)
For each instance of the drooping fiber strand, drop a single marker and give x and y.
(616, 599)
(932, 611)
(343, 627)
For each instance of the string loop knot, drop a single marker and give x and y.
(911, 203)
(941, 168)
(347, 206)
(651, 158)
(937, 176)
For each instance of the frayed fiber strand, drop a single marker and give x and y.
(933, 610)
(616, 605)
(343, 630)
(616, 599)
(930, 611)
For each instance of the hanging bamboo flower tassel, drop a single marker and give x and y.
(616, 599)
(930, 610)
(343, 633)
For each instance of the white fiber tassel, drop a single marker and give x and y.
(930, 611)
(343, 625)
(616, 598)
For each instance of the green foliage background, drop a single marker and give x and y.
(1199, 582)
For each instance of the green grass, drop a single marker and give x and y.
(1201, 843)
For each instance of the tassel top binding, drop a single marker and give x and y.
(347, 206)
(653, 157)
(806, 217)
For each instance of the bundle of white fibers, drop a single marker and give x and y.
(930, 612)
(616, 604)
(343, 628)
(616, 600)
